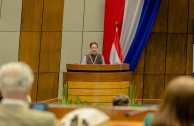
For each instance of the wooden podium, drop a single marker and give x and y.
(96, 83)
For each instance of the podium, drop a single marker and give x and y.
(96, 83)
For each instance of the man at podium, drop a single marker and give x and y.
(93, 57)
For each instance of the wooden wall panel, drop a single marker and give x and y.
(98, 92)
(47, 86)
(140, 66)
(191, 16)
(30, 49)
(50, 51)
(138, 77)
(153, 86)
(53, 15)
(34, 88)
(31, 15)
(155, 54)
(189, 55)
(160, 24)
(97, 99)
(138, 86)
(99, 85)
(178, 16)
(176, 54)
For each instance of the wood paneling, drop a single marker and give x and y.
(47, 86)
(99, 77)
(34, 88)
(115, 113)
(93, 92)
(99, 99)
(30, 48)
(53, 15)
(191, 16)
(99, 85)
(141, 63)
(42, 49)
(31, 15)
(138, 86)
(178, 16)
(189, 55)
(176, 54)
(50, 52)
(153, 86)
(155, 54)
(160, 24)
(97, 67)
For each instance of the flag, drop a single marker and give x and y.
(116, 56)
(114, 10)
(136, 19)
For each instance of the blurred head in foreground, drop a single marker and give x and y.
(121, 100)
(177, 108)
(84, 117)
(16, 80)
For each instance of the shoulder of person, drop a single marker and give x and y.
(43, 114)
(42, 118)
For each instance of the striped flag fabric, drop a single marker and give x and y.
(116, 56)
(114, 10)
(135, 19)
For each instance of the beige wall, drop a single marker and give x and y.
(10, 18)
(83, 22)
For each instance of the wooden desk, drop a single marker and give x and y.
(132, 114)
(123, 123)
(96, 83)
(115, 123)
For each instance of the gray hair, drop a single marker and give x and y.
(15, 77)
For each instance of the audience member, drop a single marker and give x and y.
(121, 100)
(177, 108)
(16, 80)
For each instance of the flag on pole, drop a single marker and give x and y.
(116, 56)
(136, 19)
(114, 10)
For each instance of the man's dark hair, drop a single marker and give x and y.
(95, 43)
(121, 100)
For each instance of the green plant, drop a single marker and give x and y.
(65, 99)
(132, 90)
(79, 102)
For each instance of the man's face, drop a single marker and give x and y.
(94, 49)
